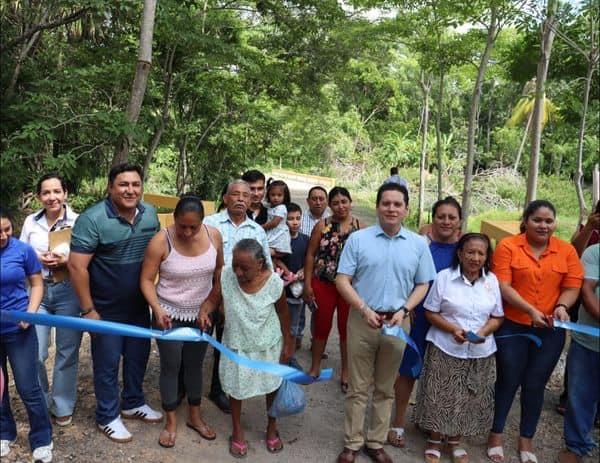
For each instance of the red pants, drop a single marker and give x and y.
(327, 299)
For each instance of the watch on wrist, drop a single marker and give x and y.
(561, 305)
(405, 309)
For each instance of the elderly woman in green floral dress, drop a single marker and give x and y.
(257, 326)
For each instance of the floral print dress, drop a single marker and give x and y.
(330, 249)
(252, 329)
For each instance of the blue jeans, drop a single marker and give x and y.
(302, 322)
(60, 299)
(583, 366)
(519, 362)
(296, 310)
(21, 349)
(107, 350)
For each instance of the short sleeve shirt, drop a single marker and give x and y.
(591, 264)
(232, 233)
(465, 304)
(251, 320)
(385, 269)
(538, 281)
(18, 260)
(118, 248)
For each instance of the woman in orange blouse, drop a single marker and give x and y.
(540, 277)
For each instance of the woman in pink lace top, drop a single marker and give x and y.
(187, 257)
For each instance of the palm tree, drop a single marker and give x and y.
(524, 112)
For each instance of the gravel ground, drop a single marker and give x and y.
(315, 435)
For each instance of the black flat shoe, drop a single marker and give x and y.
(221, 401)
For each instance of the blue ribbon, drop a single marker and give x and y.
(397, 331)
(579, 328)
(177, 334)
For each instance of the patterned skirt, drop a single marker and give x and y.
(455, 396)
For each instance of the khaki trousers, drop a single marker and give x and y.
(372, 359)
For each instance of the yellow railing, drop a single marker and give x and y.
(169, 202)
(327, 182)
(498, 229)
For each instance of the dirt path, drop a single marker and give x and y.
(314, 436)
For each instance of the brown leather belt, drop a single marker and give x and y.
(386, 315)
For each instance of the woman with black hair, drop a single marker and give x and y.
(456, 391)
(59, 295)
(320, 268)
(19, 266)
(187, 257)
(540, 277)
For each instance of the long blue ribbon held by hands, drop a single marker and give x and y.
(579, 328)
(177, 334)
(397, 331)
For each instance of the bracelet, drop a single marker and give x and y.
(561, 305)
(84, 312)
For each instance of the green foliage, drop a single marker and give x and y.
(319, 86)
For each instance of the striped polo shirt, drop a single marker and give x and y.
(118, 248)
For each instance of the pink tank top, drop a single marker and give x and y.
(184, 282)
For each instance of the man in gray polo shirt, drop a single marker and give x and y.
(107, 250)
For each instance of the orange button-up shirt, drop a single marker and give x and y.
(538, 281)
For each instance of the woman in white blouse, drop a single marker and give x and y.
(455, 397)
(59, 295)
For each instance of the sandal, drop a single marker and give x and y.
(433, 455)
(344, 386)
(459, 455)
(395, 437)
(204, 430)
(238, 449)
(275, 445)
(527, 457)
(166, 439)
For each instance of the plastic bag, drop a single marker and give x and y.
(290, 399)
(296, 288)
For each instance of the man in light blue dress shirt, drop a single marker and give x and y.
(383, 273)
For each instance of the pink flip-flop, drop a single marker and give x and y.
(238, 449)
(275, 445)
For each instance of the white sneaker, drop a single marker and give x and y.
(43, 454)
(144, 413)
(116, 431)
(5, 447)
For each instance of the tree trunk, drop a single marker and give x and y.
(579, 172)
(25, 49)
(425, 87)
(523, 140)
(140, 80)
(165, 113)
(473, 117)
(182, 166)
(548, 29)
(438, 134)
(488, 136)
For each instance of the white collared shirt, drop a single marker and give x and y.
(467, 305)
(308, 221)
(36, 228)
(233, 233)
